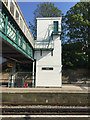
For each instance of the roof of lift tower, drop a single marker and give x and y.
(47, 18)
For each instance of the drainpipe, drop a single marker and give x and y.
(33, 74)
(13, 77)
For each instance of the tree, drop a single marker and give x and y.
(73, 57)
(45, 9)
(76, 24)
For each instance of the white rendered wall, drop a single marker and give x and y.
(43, 24)
(48, 78)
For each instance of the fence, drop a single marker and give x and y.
(19, 79)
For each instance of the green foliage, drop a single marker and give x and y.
(6, 69)
(77, 22)
(73, 56)
(76, 36)
(75, 32)
(44, 9)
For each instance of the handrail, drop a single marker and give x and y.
(44, 44)
(28, 32)
(10, 32)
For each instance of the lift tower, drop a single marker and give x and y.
(48, 52)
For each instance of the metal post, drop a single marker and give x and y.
(33, 75)
(26, 47)
(21, 44)
(13, 77)
(6, 23)
(9, 80)
(17, 37)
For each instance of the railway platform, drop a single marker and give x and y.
(68, 95)
(66, 88)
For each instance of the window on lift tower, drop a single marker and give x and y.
(47, 68)
(55, 28)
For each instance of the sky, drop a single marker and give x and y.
(28, 8)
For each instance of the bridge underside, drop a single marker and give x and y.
(11, 53)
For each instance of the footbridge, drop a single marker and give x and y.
(17, 40)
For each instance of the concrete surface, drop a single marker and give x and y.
(66, 88)
(68, 95)
(45, 117)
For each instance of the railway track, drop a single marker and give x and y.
(45, 110)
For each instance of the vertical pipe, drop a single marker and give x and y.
(13, 77)
(33, 73)
(9, 80)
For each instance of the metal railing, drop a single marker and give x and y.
(44, 44)
(21, 79)
(14, 36)
(47, 42)
(20, 20)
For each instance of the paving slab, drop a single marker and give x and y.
(68, 95)
(67, 88)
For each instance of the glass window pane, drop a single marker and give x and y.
(6, 2)
(17, 16)
(47, 68)
(24, 28)
(21, 23)
(12, 7)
